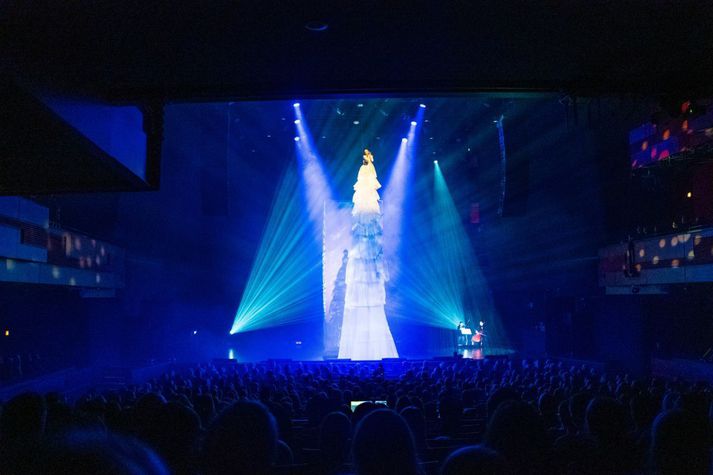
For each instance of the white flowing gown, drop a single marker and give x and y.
(365, 331)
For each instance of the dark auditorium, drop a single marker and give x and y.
(356, 237)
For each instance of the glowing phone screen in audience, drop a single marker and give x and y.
(354, 404)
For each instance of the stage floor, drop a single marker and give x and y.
(481, 353)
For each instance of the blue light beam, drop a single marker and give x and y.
(317, 188)
(444, 284)
(280, 289)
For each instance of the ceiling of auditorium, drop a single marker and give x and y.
(195, 50)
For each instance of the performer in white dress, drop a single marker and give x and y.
(365, 331)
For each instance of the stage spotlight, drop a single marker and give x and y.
(297, 121)
(689, 194)
(413, 122)
(435, 162)
(7, 332)
(297, 139)
(404, 139)
(423, 106)
(195, 332)
(296, 104)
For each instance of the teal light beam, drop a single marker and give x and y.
(445, 284)
(280, 289)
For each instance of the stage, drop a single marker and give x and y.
(365, 255)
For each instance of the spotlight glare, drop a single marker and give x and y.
(297, 139)
(423, 106)
(296, 104)
(413, 122)
(297, 121)
(404, 139)
(435, 162)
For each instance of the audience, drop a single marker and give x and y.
(680, 444)
(517, 433)
(383, 445)
(490, 416)
(241, 440)
(608, 424)
(334, 442)
(23, 418)
(90, 452)
(417, 423)
(475, 460)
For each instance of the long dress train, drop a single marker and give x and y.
(365, 331)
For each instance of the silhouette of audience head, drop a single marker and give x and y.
(241, 440)
(450, 408)
(22, 418)
(498, 397)
(474, 460)
(88, 453)
(565, 418)
(383, 445)
(695, 402)
(205, 407)
(578, 408)
(174, 439)
(402, 403)
(643, 410)
(547, 405)
(516, 431)
(417, 423)
(317, 408)
(362, 410)
(334, 439)
(607, 420)
(680, 444)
